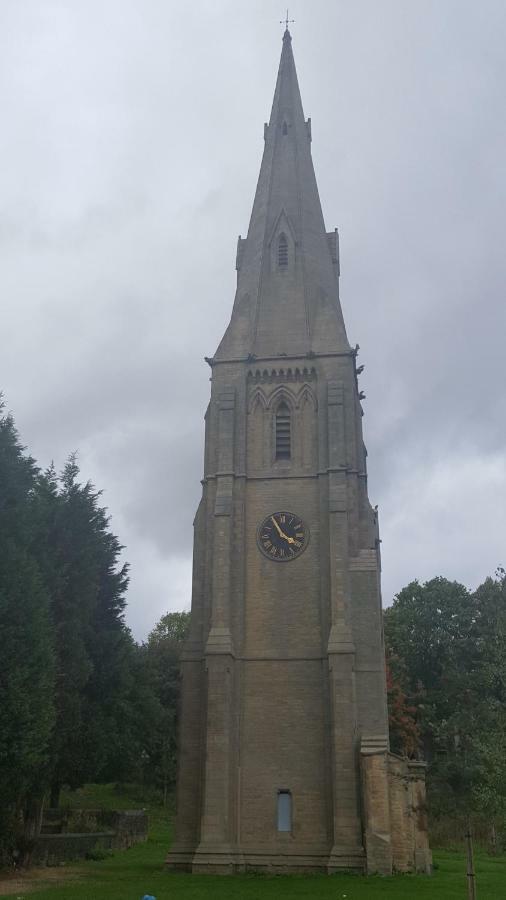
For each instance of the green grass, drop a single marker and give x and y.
(111, 796)
(131, 874)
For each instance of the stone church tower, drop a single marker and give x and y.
(284, 761)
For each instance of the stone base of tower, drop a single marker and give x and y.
(226, 860)
(296, 862)
(180, 858)
(394, 829)
(217, 859)
(346, 859)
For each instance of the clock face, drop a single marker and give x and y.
(282, 536)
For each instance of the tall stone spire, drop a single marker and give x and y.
(284, 763)
(287, 300)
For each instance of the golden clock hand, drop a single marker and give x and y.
(278, 529)
(282, 533)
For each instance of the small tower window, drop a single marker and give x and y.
(284, 810)
(282, 251)
(283, 435)
(285, 128)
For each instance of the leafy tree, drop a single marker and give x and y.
(453, 647)
(404, 731)
(489, 691)
(428, 628)
(162, 654)
(170, 631)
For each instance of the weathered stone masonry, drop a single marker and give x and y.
(284, 761)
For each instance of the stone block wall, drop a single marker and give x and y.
(69, 834)
(53, 849)
(394, 807)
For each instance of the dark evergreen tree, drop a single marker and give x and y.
(27, 661)
(92, 643)
(79, 700)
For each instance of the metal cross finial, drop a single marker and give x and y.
(286, 22)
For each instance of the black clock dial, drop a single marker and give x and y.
(282, 536)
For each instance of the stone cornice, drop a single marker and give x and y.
(250, 360)
(342, 470)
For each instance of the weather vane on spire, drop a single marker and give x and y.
(286, 22)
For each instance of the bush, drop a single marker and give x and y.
(98, 854)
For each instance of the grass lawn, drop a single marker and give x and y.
(132, 873)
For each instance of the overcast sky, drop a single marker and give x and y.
(131, 134)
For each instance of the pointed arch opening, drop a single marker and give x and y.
(282, 251)
(283, 431)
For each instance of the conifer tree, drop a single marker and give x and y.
(27, 660)
(92, 643)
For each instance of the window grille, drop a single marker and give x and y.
(282, 251)
(283, 432)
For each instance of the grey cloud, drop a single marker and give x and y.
(130, 147)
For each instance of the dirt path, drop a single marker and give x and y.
(35, 879)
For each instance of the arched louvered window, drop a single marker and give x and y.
(282, 251)
(285, 128)
(283, 432)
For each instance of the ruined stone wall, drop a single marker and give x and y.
(395, 815)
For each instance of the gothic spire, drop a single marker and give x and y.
(287, 288)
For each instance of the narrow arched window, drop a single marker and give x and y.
(285, 128)
(284, 810)
(282, 251)
(283, 432)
